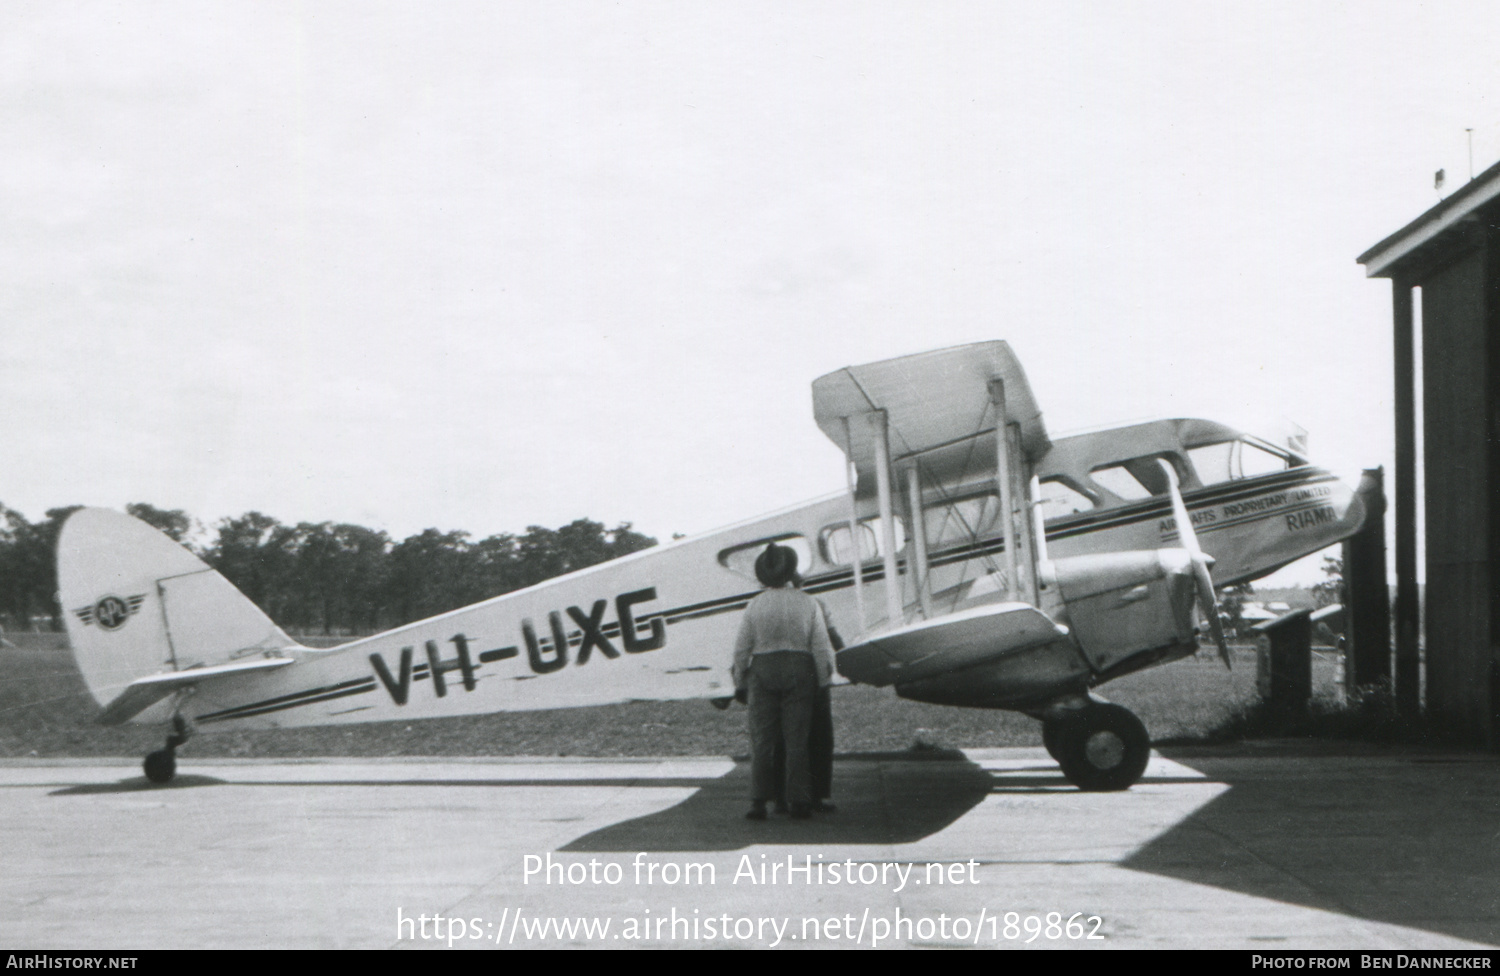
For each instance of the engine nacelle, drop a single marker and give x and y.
(1121, 605)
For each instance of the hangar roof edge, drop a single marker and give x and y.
(1379, 261)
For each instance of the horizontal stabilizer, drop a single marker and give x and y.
(142, 693)
(938, 407)
(950, 643)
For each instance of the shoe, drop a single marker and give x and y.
(823, 806)
(801, 813)
(780, 807)
(757, 812)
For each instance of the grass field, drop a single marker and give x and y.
(46, 711)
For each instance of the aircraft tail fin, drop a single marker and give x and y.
(138, 604)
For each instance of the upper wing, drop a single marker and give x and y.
(938, 406)
(959, 640)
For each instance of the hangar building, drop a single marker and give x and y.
(1452, 254)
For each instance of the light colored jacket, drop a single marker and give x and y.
(783, 620)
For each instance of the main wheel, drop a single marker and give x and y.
(1103, 748)
(1052, 737)
(160, 766)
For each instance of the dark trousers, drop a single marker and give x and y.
(819, 750)
(782, 687)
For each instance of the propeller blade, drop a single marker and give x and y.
(1189, 539)
(1211, 610)
(1185, 531)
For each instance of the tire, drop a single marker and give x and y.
(1105, 748)
(160, 766)
(1052, 730)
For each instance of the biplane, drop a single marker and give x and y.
(971, 560)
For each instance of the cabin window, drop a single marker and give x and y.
(1233, 460)
(1060, 499)
(742, 558)
(1136, 479)
(838, 547)
(963, 521)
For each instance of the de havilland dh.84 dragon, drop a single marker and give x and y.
(972, 561)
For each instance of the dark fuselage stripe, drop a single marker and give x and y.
(248, 710)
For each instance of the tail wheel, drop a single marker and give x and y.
(1104, 748)
(160, 766)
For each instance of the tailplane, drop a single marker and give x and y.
(138, 604)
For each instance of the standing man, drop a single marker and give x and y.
(819, 738)
(782, 657)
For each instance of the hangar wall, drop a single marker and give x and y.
(1458, 388)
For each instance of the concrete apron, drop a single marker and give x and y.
(1248, 848)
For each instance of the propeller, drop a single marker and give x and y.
(1189, 540)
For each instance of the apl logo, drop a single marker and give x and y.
(111, 612)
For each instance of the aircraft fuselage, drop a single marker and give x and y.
(660, 624)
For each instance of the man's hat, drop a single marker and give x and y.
(777, 566)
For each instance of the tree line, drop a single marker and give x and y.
(324, 577)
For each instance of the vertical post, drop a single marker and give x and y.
(857, 560)
(1002, 477)
(918, 539)
(1408, 619)
(1367, 598)
(894, 615)
(1284, 663)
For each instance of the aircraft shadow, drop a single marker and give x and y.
(1057, 783)
(139, 784)
(882, 799)
(1401, 840)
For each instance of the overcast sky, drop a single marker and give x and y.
(482, 266)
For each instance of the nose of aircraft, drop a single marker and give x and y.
(1317, 523)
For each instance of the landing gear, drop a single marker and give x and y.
(161, 765)
(1051, 734)
(1100, 748)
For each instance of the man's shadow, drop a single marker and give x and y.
(882, 798)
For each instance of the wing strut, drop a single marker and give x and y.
(894, 615)
(857, 560)
(1023, 500)
(1002, 477)
(1024, 552)
(1005, 478)
(1046, 573)
(918, 539)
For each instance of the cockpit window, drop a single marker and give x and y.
(1256, 461)
(1117, 481)
(1233, 460)
(1135, 479)
(1060, 499)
